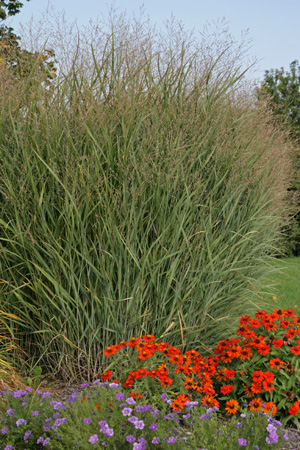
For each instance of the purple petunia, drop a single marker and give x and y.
(242, 442)
(126, 411)
(130, 438)
(46, 441)
(4, 430)
(21, 422)
(155, 440)
(93, 439)
(139, 424)
(26, 435)
(153, 427)
(130, 401)
(119, 396)
(10, 412)
(87, 421)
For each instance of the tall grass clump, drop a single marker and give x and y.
(143, 192)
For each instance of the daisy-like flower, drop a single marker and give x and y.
(232, 406)
(255, 404)
(270, 408)
(242, 442)
(226, 389)
(148, 338)
(295, 349)
(276, 363)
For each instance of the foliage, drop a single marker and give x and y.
(145, 198)
(18, 60)
(283, 90)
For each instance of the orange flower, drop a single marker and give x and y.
(276, 363)
(234, 352)
(128, 383)
(256, 388)
(148, 338)
(133, 342)
(189, 383)
(268, 385)
(232, 406)
(255, 404)
(208, 400)
(192, 353)
(246, 353)
(111, 350)
(176, 359)
(248, 391)
(221, 374)
(270, 408)
(183, 369)
(145, 354)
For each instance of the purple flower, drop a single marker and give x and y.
(40, 439)
(163, 396)
(93, 439)
(46, 427)
(155, 440)
(26, 435)
(113, 385)
(109, 432)
(139, 424)
(133, 419)
(102, 423)
(84, 385)
(126, 411)
(153, 427)
(9, 447)
(35, 413)
(87, 421)
(130, 401)
(137, 446)
(142, 441)
(119, 396)
(242, 442)
(171, 440)
(21, 422)
(130, 438)
(10, 412)
(46, 441)
(4, 430)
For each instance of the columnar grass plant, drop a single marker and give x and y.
(143, 196)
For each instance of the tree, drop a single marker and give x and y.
(17, 60)
(283, 91)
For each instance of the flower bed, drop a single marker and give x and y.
(168, 399)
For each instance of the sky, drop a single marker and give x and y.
(273, 25)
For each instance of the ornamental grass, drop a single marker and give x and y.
(143, 191)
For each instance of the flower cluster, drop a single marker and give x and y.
(241, 369)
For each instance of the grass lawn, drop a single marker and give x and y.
(285, 282)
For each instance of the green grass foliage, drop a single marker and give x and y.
(143, 196)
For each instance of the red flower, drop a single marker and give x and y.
(246, 353)
(148, 338)
(293, 410)
(260, 314)
(276, 363)
(284, 324)
(244, 320)
(255, 323)
(106, 375)
(289, 313)
(295, 349)
(226, 389)
(230, 373)
(263, 349)
(270, 407)
(277, 343)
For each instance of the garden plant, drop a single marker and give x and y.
(143, 194)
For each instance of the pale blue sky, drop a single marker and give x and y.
(274, 25)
